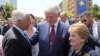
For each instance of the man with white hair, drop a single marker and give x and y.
(15, 42)
(52, 34)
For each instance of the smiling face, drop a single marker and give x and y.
(51, 17)
(76, 40)
(78, 34)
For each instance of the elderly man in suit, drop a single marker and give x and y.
(52, 34)
(94, 28)
(15, 42)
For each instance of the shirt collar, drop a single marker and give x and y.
(56, 24)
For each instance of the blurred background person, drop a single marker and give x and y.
(15, 42)
(78, 37)
(94, 28)
(67, 20)
(7, 26)
(30, 32)
(64, 18)
(73, 20)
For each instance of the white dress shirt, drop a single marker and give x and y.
(55, 27)
(96, 35)
(95, 30)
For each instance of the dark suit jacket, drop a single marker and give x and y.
(85, 51)
(61, 45)
(14, 44)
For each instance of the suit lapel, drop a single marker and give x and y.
(45, 34)
(47, 30)
(20, 36)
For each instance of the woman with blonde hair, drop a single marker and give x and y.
(78, 38)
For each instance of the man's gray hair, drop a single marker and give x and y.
(19, 15)
(52, 8)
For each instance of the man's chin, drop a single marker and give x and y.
(51, 23)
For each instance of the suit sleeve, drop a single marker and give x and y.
(35, 37)
(11, 48)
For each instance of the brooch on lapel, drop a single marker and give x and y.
(60, 38)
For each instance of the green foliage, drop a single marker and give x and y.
(8, 7)
(96, 11)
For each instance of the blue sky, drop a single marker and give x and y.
(36, 6)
